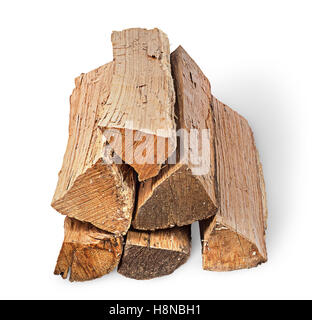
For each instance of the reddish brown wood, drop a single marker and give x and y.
(87, 252)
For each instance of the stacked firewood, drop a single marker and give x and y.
(151, 151)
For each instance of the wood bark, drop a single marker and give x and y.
(87, 252)
(178, 195)
(141, 102)
(89, 188)
(153, 254)
(235, 237)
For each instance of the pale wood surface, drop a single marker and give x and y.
(89, 189)
(176, 239)
(235, 239)
(87, 252)
(153, 254)
(142, 94)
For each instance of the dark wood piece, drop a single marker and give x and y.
(154, 254)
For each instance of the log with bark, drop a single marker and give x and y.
(183, 192)
(89, 187)
(87, 252)
(155, 253)
(138, 120)
(235, 237)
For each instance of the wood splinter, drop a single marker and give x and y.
(89, 188)
(235, 237)
(154, 254)
(87, 252)
(138, 120)
(184, 192)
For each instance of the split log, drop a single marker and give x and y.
(183, 192)
(235, 237)
(89, 188)
(141, 103)
(87, 252)
(153, 254)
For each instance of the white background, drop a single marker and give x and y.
(257, 56)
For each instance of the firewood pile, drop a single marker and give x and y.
(151, 151)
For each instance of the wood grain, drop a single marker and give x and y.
(149, 255)
(89, 188)
(142, 99)
(87, 252)
(235, 238)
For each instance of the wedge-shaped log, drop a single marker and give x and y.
(153, 254)
(87, 252)
(184, 192)
(141, 103)
(88, 188)
(235, 237)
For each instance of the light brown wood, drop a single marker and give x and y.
(89, 188)
(153, 254)
(179, 195)
(87, 252)
(141, 102)
(235, 237)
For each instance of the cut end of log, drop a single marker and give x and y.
(143, 263)
(227, 251)
(175, 198)
(87, 253)
(84, 262)
(224, 249)
(148, 255)
(103, 196)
